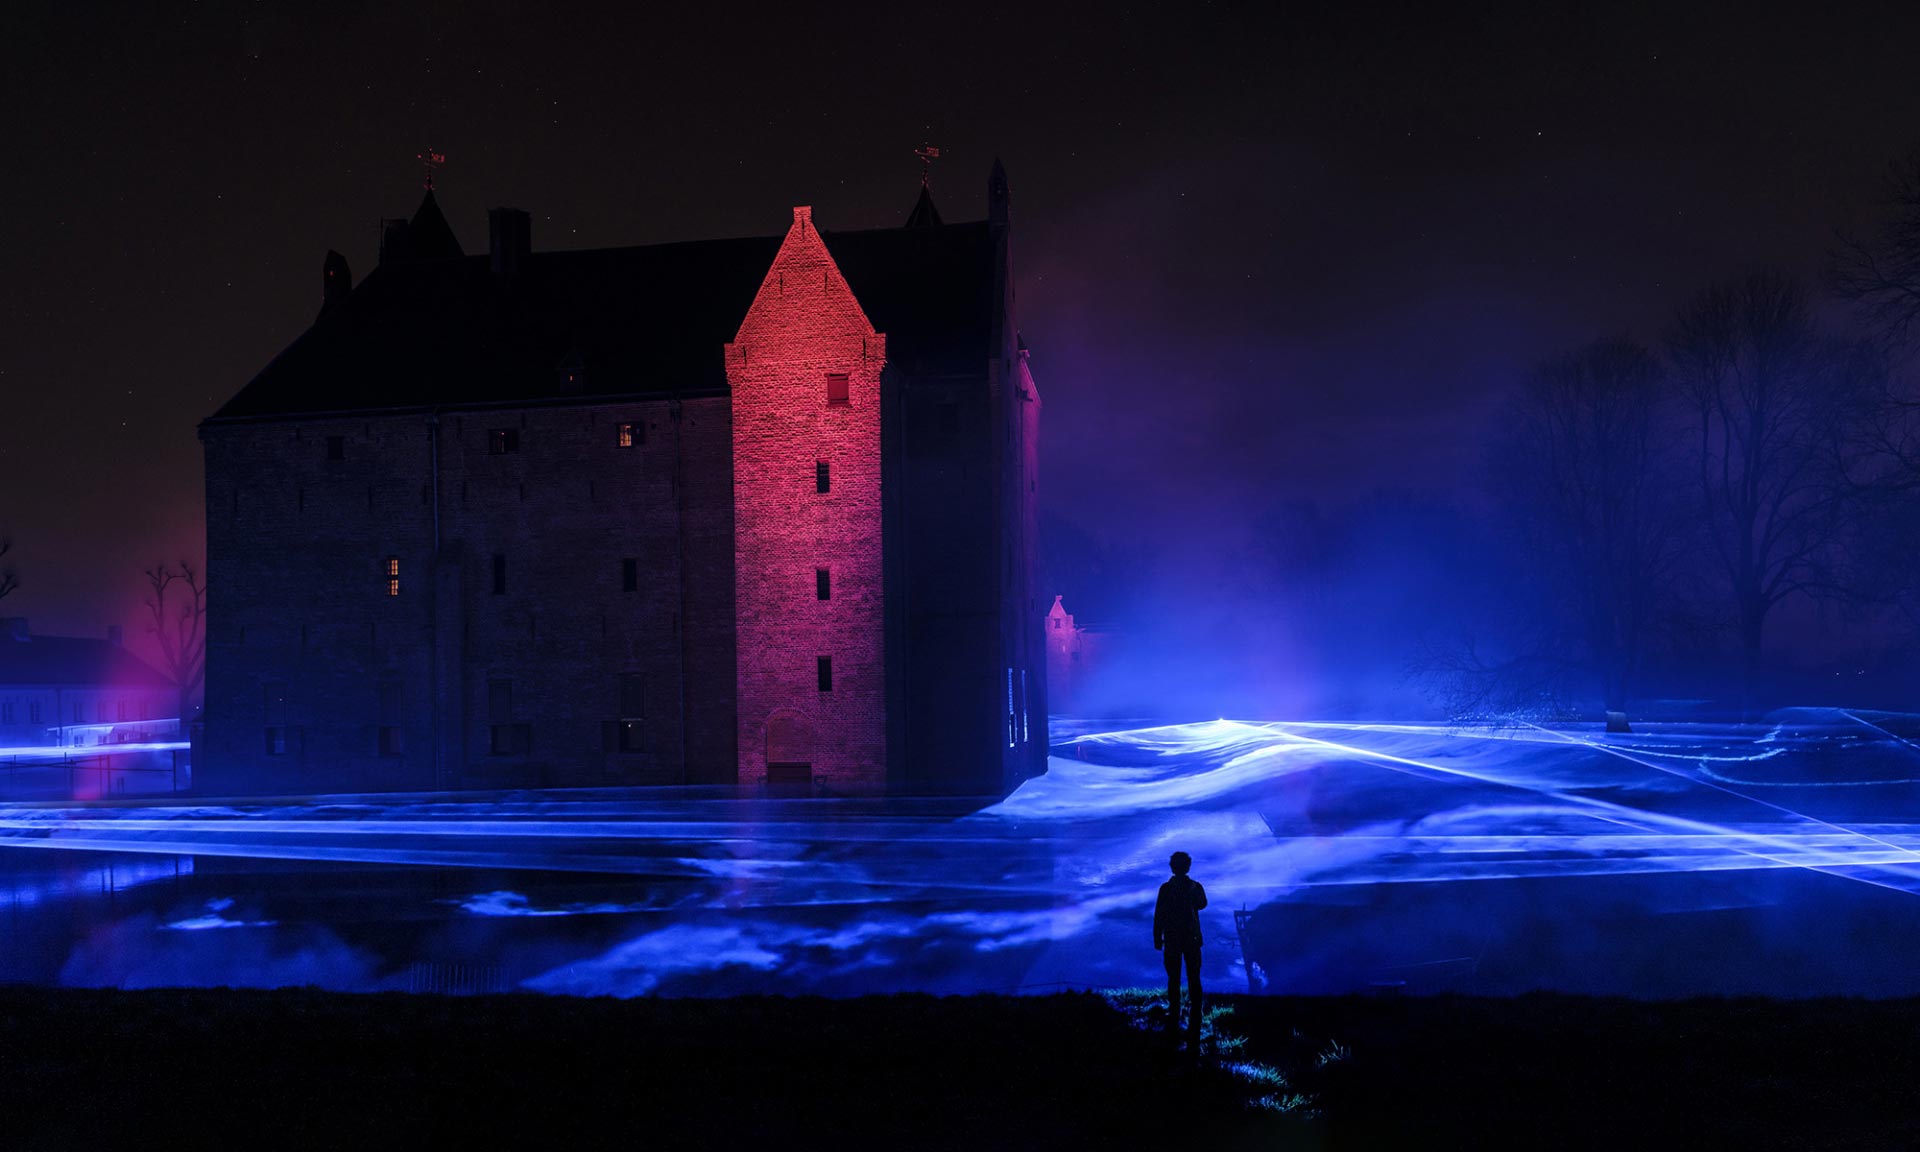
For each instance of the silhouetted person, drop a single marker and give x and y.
(1176, 933)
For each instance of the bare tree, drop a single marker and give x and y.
(1510, 689)
(1772, 403)
(8, 579)
(1585, 467)
(1882, 464)
(1881, 273)
(180, 627)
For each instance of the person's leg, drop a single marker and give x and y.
(1171, 956)
(1196, 1006)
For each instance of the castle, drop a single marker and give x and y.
(751, 512)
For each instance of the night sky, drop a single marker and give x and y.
(1265, 252)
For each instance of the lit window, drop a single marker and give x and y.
(392, 571)
(501, 441)
(631, 435)
(823, 668)
(629, 575)
(822, 477)
(837, 393)
(822, 584)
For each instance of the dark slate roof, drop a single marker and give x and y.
(450, 332)
(71, 661)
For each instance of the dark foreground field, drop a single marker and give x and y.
(278, 1069)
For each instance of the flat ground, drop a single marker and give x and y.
(213, 1068)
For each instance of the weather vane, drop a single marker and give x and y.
(928, 154)
(432, 160)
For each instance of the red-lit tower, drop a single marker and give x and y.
(804, 371)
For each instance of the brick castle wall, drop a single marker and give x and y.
(805, 326)
(303, 636)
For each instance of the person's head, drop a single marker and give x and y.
(1180, 862)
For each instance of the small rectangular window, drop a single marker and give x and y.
(274, 696)
(6, 713)
(392, 570)
(33, 712)
(837, 389)
(629, 733)
(823, 667)
(822, 584)
(631, 435)
(822, 477)
(629, 575)
(499, 573)
(511, 739)
(1012, 728)
(623, 736)
(501, 441)
(390, 702)
(336, 447)
(276, 741)
(392, 741)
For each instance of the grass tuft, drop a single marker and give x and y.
(1287, 1103)
(1334, 1053)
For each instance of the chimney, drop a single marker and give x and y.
(14, 627)
(336, 282)
(510, 233)
(997, 194)
(114, 636)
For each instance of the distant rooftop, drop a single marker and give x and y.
(70, 661)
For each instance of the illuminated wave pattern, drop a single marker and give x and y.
(1337, 828)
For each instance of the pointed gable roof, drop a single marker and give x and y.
(804, 285)
(428, 233)
(924, 214)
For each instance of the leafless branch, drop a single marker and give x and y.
(179, 628)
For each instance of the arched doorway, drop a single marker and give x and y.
(789, 750)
